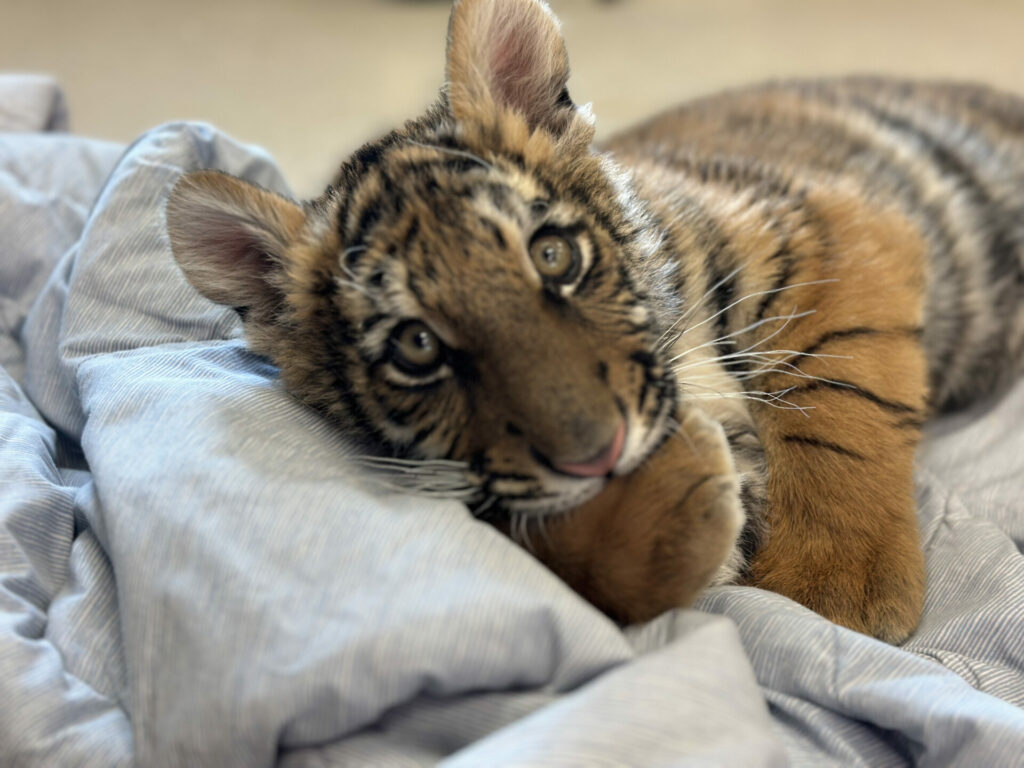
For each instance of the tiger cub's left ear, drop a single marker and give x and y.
(231, 238)
(508, 54)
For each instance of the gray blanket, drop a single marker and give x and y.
(192, 573)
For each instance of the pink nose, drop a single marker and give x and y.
(601, 464)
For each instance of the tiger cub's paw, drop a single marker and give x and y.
(891, 615)
(893, 597)
(876, 588)
(652, 540)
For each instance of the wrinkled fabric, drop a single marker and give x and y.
(193, 573)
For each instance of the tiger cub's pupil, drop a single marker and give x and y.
(417, 348)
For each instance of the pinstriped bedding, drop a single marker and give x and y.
(191, 575)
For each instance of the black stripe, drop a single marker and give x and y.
(1006, 112)
(814, 442)
(496, 232)
(413, 283)
(591, 278)
(586, 281)
(411, 233)
(755, 529)
(340, 338)
(723, 292)
(423, 434)
(644, 358)
(809, 219)
(354, 171)
(848, 387)
(464, 366)
(402, 416)
(995, 221)
(449, 163)
(642, 399)
(782, 277)
(500, 197)
(845, 333)
(511, 476)
(1002, 255)
(369, 216)
(586, 198)
(372, 321)
(884, 168)
(428, 387)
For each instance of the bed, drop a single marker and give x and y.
(194, 573)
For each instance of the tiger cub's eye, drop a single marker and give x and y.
(554, 257)
(417, 349)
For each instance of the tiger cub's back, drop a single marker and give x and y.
(950, 157)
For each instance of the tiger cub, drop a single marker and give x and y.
(700, 353)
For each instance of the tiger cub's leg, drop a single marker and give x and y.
(843, 536)
(654, 539)
(842, 517)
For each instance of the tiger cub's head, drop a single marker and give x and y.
(472, 287)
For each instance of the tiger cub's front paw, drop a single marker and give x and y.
(872, 585)
(653, 540)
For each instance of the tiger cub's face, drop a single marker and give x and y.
(471, 286)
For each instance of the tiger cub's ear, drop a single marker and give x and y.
(508, 54)
(230, 237)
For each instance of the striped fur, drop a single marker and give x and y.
(814, 267)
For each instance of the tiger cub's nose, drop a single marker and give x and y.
(602, 463)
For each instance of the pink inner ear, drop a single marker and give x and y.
(239, 251)
(228, 261)
(517, 76)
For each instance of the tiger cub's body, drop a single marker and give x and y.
(892, 211)
(948, 158)
(703, 352)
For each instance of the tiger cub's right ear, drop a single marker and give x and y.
(230, 237)
(509, 54)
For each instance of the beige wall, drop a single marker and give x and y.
(311, 79)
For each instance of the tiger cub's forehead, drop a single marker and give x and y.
(447, 227)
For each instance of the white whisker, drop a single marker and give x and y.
(774, 399)
(677, 432)
(353, 285)
(542, 527)
(697, 304)
(744, 298)
(486, 505)
(524, 532)
(449, 463)
(794, 315)
(432, 478)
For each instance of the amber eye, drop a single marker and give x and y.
(417, 350)
(555, 257)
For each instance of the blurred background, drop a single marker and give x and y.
(310, 80)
